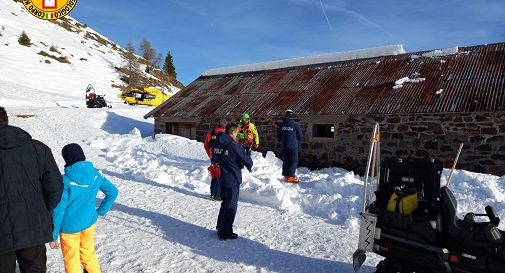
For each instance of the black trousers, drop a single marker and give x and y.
(229, 203)
(289, 162)
(31, 260)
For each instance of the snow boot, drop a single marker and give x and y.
(292, 179)
(231, 236)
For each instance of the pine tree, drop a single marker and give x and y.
(168, 66)
(133, 66)
(24, 39)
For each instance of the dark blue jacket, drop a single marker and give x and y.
(231, 158)
(289, 134)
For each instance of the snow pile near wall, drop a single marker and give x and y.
(177, 162)
(318, 59)
(333, 194)
(474, 191)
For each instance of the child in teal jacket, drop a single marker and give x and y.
(75, 216)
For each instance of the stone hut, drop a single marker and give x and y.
(425, 102)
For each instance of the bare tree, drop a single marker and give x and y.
(133, 65)
(149, 53)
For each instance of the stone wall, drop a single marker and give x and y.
(406, 135)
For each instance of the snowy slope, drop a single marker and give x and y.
(92, 59)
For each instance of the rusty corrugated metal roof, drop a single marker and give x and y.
(472, 80)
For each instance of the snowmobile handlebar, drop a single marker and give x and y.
(492, 215)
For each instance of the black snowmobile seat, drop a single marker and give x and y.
(468, 232)
(419, 229)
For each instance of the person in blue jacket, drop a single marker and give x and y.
(75, 216)
(289, 134)
(231, 158)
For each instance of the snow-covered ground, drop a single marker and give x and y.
(163, 220)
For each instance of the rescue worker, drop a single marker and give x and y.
(210, 139)
(289, 134)
(247, 135)
(232, 158)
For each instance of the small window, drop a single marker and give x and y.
(323, 130)
(169, 128)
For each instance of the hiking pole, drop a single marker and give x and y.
(367, 220)
(368, 165)
(375, 158)
(454, 164)
(378, 147)
(372, 167)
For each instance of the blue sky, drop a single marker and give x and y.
(203, 34)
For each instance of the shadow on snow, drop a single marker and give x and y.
(117, 124)
(154, 183)
(204, 242)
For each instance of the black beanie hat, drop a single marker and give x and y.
(72, 153)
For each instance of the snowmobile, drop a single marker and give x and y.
(430, 237)
(93, 100)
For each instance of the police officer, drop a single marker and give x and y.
(289, 134)
(232, 158)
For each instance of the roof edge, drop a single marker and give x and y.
(151, 113)
(310, 60)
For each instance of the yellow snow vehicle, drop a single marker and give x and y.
(149, 96)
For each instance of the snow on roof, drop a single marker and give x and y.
(317, 59)
(399, 83)
(442, 52)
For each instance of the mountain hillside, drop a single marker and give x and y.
(63, 57)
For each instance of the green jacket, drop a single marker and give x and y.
(247, 135)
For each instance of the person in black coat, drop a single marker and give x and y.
(289, 134)
(30, 187)
(231, 158)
